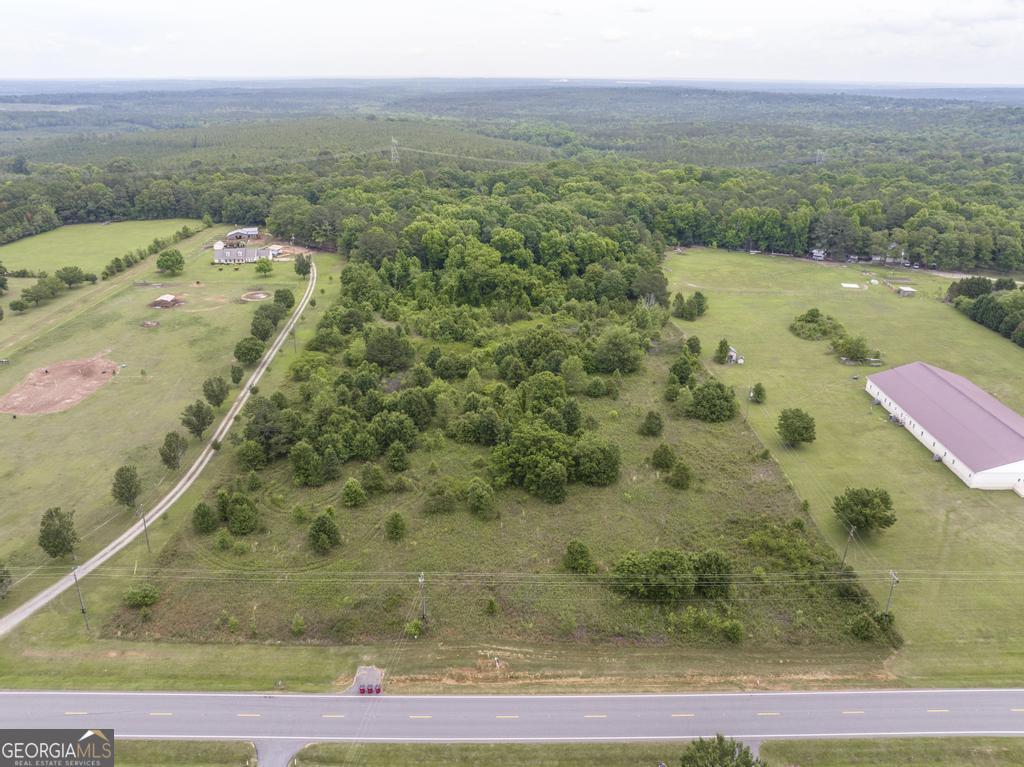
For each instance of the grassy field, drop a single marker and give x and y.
(67, 459)
(896, 752)
(490, 755)
(154, 753)
(90, 246)
(957, 551)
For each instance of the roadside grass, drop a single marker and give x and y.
(67, 459)
(957, 551)
(90, 246)
(895, 752)
(569, 635)
(194, 753)
(490, 754)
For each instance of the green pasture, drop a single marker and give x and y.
(957, 551)
(895, 752)
(67, 459)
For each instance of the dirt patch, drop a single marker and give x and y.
(58, 387)
(255, 295)
(150, 324)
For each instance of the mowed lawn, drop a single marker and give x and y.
(90, 246)
(67, 459)
(957, 551)
(896, 752)
(491, 754)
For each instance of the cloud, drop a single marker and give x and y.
(613, 35)
(641, 9)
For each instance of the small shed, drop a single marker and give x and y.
(244, 233)
(905, 291)
(166, 301)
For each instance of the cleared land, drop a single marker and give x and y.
(491, 755)
(958, 551)
(58, 387)
(909, 752)
(67, 459)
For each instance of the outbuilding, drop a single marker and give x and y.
(905, 291)
(979, 438)
(245, 233)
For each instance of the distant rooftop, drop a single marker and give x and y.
(976, 427)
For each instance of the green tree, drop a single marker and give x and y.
(173, 449)
(171, 262)
(352, 493)
(303, 265)
(596, 461)
(197, 417)
(126, 486)
(700, 303)
(237, 371)
(864, 509)
(662, 575)
(854, 348)
(324, 534)
(617, 349)
(215, 389)
(394, 527)
(440, 497)
(714, 574)
(57, 536)
(251, 456)
(795, 426)
(652, 424)
(373, 479)
(577, 558)
(307, 465)
(480, 498)
(713, 402)
(693, 345)
(249, 350)
(204, 519)
(664, 457)
(261, 327)
(389, 348)
(284, 298)
(758, 394)
(574, 373)
(719, 752)
(722, 352)
(679, 305)
(264, 267)
(243, 518)
(397, 457)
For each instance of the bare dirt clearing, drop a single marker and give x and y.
(58, 387)
(255, 295)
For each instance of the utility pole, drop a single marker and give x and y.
(145, 529)
(81, 600)
(892, 587)
(423, 598)
(853, 531)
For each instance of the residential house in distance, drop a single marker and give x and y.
(226, 254)
(245, 233)
(978, 437)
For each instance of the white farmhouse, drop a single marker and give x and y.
(978, 437)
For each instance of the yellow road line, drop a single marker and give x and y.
(684, 715)
(1017, 710)
(253, 715)
(420, 716)
(768, 713)
(595, 716)
(507, 716)
(160, 713)
(938, 711)
(853, 712)
(332, 716)
(75, 713)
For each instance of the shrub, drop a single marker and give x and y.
(237, 371)
(679, 476)
(693, 345)
(250, 455)
(596, 387)
(652, 425)
(732, 630)
(577, 558)
(394, 527)
(864, 628)
(480, 498)
(758, 395)
(713, 570)
(373, 479)
(440, 498)
(413, 629)
(812, 325)
(223, 541)
(397, 457)
(204, 519)
(242, 515)
(662, 575)
(298, 627)
(664, 457)
(490, 607)
(324, 533)
(713, 402)
(722, 352)
(140, 595)
(596, 461)
(352, 493)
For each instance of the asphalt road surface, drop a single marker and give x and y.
(23, 611)
(281, 724)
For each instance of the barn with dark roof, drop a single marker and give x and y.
(979, 438)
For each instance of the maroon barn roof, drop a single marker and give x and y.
(976, 427)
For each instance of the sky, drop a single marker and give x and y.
(894, 41)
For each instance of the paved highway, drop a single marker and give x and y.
(281, 724)
(22, 612)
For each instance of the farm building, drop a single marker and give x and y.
(224, 254)
(166, 301)
(974, 434)
(245, 233)
(905, 291)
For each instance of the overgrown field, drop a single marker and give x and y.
(153, 753)
(895, 752)
(67, 459)
(957, 551)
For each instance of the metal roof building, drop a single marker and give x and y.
(979, 438)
